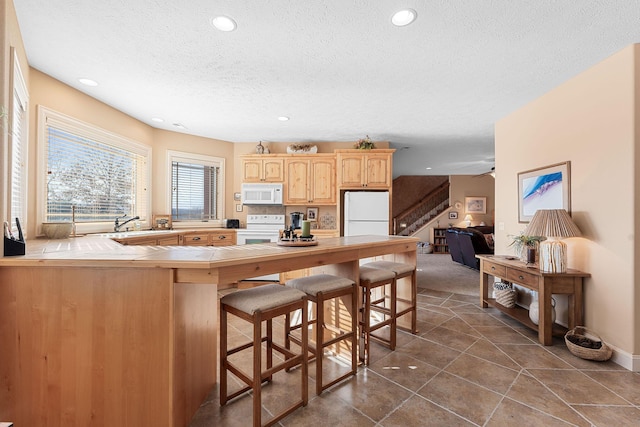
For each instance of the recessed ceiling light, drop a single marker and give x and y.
(179, 126)
(429, 168)
(223, 23)
(88, 82)
(404, 17)
(157, 119)
(283, 118)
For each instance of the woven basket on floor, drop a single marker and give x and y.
(599, 354)
(505, 294)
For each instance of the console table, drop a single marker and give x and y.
(546, 284)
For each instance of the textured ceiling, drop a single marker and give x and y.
(337, 68)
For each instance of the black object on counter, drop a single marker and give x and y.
(13, 247)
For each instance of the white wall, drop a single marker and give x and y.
(591, 121)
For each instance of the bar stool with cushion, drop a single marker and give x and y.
(321, 289)
(257, 305)
(384, 303)
(404, 305)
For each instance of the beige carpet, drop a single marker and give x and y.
(438, 272)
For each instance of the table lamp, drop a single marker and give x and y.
(468, 218)
(554, 224)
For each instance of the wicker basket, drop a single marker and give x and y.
(580, 332)
(505, 294)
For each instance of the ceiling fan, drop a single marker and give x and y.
(492, 172)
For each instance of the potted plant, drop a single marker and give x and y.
(302, 148)
(522, 242)
(365, 144)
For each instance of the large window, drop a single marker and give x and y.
(197, 190)
(91, 174)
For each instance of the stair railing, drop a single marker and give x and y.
(429, 206)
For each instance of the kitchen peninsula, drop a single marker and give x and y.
(96, 333)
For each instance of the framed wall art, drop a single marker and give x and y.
(453, 215)
(548, 187)
(312, 214)
(475, 205)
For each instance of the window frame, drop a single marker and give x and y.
(69, 124)
(203, 159)
(19, 90)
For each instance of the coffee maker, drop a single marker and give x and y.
(296, 219)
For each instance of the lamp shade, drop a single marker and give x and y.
(554, 224)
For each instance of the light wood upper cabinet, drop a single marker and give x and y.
(263, 168)
(365, 168)
(310, 179)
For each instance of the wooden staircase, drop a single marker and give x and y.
(431, 205)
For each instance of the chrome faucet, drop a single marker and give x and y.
(119, 224)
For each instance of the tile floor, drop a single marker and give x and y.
(467, 366)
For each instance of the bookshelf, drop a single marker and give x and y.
(440, 241)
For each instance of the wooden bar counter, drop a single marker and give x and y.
(96, 333)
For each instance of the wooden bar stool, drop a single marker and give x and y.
(320, 289)
(371, 280)
(258, 305)
(404, 305)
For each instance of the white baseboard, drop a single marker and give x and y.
(628, 361)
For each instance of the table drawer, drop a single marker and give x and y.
(522, 277)
(494, 269)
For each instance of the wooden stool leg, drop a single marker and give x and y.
(319, 340)
(257, 369)
(354, 329)
(392, 331)
(414, 295)
(287, 331)
(223, 356)
(305, 356)
(270, 347)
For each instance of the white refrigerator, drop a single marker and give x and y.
(366, 212)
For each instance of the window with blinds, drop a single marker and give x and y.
(196, 187)
(95, 174)
(18, 148)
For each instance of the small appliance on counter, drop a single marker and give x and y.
(231, 223)
(296, 220)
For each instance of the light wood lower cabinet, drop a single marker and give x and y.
(218, 237)
(222, 238)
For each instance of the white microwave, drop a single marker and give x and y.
(261, 194)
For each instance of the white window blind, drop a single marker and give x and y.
(18, 147)
(196, 187)
(102, 175)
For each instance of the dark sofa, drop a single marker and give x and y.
(465, 243)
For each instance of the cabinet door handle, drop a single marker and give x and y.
(222, 237)
(493, 268)
(521, 277)
(196, 238)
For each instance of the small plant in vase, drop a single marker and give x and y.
(365, 144)
(523, 242)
